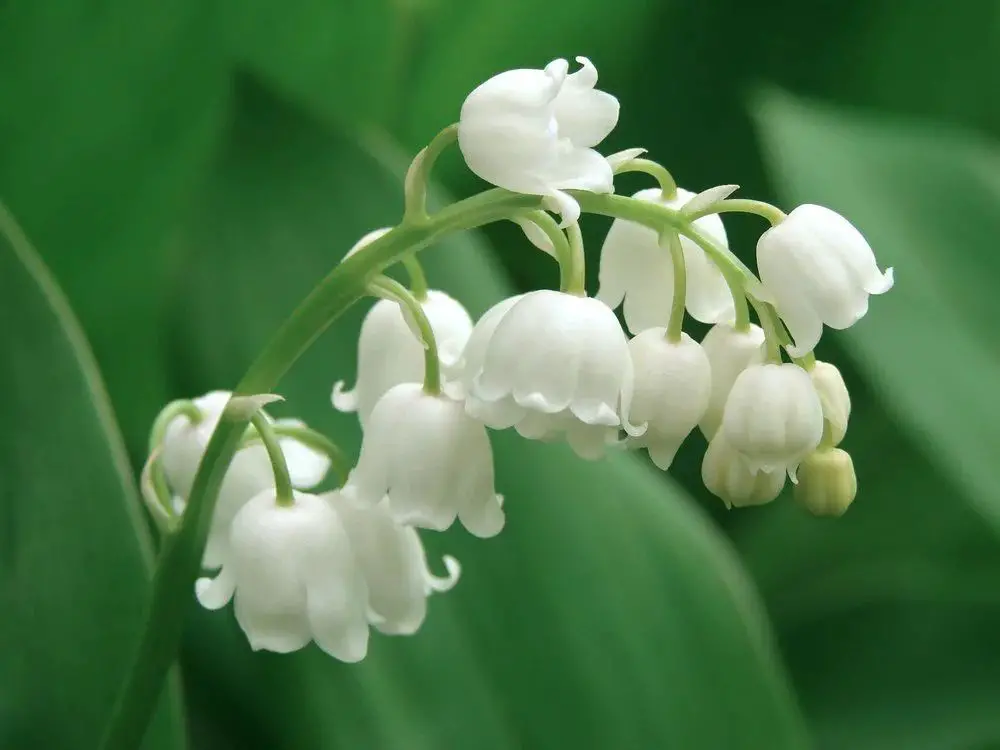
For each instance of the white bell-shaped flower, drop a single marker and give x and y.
(249, 472)
(818, 269)
(294, 578)
(730, 352)
(393, 563)
(728, 475)
(389, 353)
(637, 269)
(534, 132)
(430, 461)
(554, 364)
(773, 416)
(834, 397)
(673, 382)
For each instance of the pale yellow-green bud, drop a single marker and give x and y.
(836, 401)
(827, 482)
(729, 476)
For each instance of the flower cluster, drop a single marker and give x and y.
(553, 365)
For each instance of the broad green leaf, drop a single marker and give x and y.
(929, 201)
(108, 115)
(607, 614)
(888, 615)
(75, 555)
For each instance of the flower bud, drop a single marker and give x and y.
(728, 476)
(672, 385)
(729, 353)
(836, 401)
(818, 269)
(773, 416)
(827, 482)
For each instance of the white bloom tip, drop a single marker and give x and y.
(344, 401)
(446, 583)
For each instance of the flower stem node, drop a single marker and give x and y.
(836, 401)
(773, 417)
(429, 462)
(393, 563)
(552, 364)
(534, 132)
(730, 352)
(827, 482)
(635, 269)
(293, 578)
(673, 383)
(389, 353)
(250, 472)
(817, 269)
(728, 475)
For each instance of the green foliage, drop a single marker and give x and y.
(75, 555)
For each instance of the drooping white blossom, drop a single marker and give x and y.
(729, 476)
(729, 352)
(389, 353)
(673, 382)
(552, 364)
(637, 269)
(293, 577)
(834, 397)
(827, 483)
(534, 131)
(393, 563)
(818, 269)
(249, 472)
(773, 416)
(429, 461)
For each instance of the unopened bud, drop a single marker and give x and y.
(836, 401)
(827, 482)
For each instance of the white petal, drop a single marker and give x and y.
(215, 593)
(306, 466)
(565, 205)
(536, 236)
(585, 116)
(580, 169)
(447, 582)
(344, 401)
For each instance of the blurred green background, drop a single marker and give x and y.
(187, 170)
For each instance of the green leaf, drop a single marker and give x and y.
(608, 613)
(928, 200)
(888, 617)
(75, 553)
(108, 117)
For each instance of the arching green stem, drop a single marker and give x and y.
(668, 186)
(771, 325)
(575, 277)
(742, 205)
(676, 325)
(418, 279)
(318, 442)
(731, 272)
(282, 480)
(557, 238)
(412, 307)
(170, 412)
(416, 182)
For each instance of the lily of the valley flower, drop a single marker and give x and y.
(294, 578)
(729, 352)
(249, 472)
(637, 269)
(552, 364)
(818, 269)
(827, 482)
(773, 417)
(430, 461)
(729, 476)
(834, 397)
(393, 562)
(389, 352)
(534, 131)
(673, 382)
